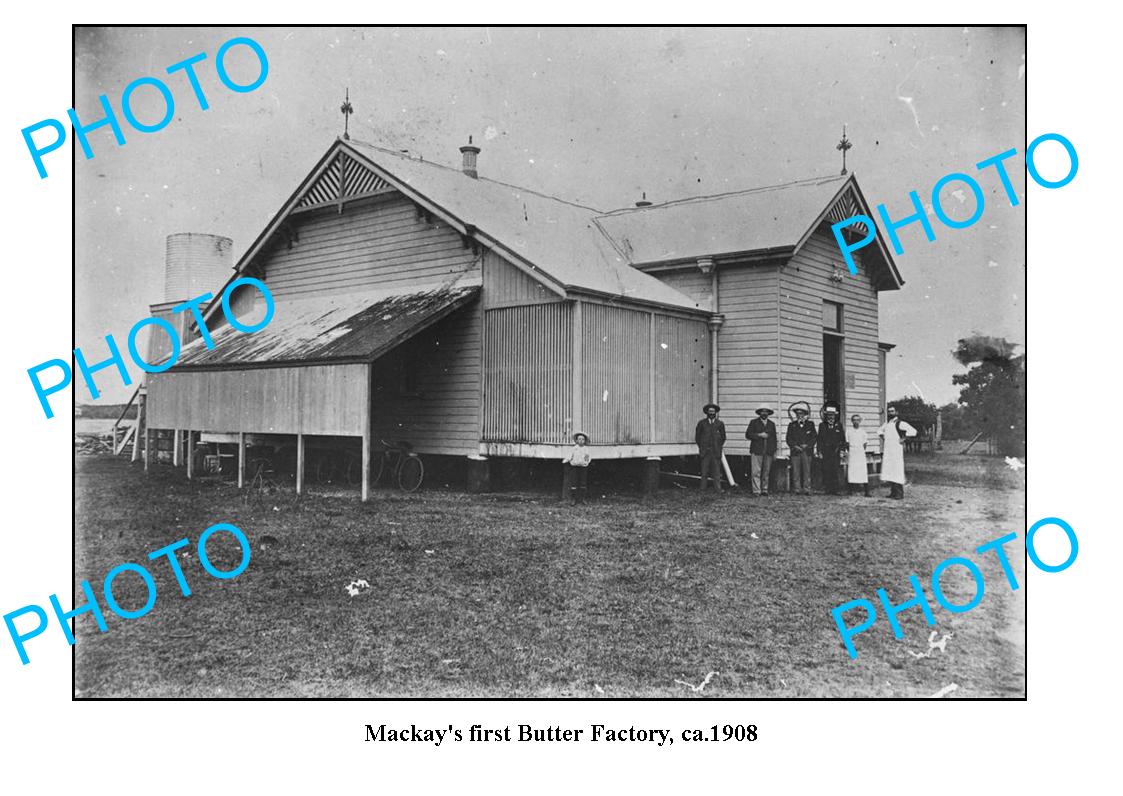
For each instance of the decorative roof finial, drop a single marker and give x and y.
(844, 145)
(346, 110)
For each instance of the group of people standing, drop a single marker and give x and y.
(829, 442)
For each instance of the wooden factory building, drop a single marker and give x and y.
(474, 318)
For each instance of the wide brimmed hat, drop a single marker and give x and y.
(577, 434)
(799, 406)
(764, 408)
(707, 408)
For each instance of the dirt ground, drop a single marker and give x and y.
(518, 594)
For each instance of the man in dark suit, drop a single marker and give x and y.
(801, 441)
(761, 435)
(831, 441)
(710, 438)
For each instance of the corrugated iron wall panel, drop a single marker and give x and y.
(682, 376)
(528, 374)
(615, 376)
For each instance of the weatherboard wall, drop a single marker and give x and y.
(427, 391)
(384, 242)
(505, 285)
(805, 282)
(689, 281)
(748, 341)
(770, 347)
(748, 346)
(319, 399)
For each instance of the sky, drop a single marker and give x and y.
(590, 115)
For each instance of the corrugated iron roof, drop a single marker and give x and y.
(760, 219)
(355, 327)
(559, 237)
(577, 247)
(580, 247)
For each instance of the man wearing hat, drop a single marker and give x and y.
(830, 442)
(761, 435)
(801, 441)
(710, 438)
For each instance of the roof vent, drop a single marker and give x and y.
(643, 202)
(469, 152)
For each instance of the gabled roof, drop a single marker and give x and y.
(556, 238)
(357, 327)
(776, 219)
(572, 247)
(557, 242)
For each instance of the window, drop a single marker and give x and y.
(832, 316)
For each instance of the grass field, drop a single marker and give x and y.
(520, 595)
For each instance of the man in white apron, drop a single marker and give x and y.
(856, 439)
(893, 452)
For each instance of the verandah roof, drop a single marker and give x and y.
(358, 327)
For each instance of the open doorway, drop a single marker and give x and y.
(833, 376)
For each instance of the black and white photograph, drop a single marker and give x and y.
(575, 363)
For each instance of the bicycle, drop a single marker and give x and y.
(402, 463)
(261, 482)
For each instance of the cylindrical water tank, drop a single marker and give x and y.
(196, 263)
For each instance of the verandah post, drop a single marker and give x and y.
(299, 463)
(241, 459)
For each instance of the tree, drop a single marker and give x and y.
(954, 423)
(994, 390)
(916, 411)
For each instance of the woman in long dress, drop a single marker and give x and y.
(856, 439)
(892, 434)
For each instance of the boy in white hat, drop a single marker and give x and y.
(761, 435)
(578, 461)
